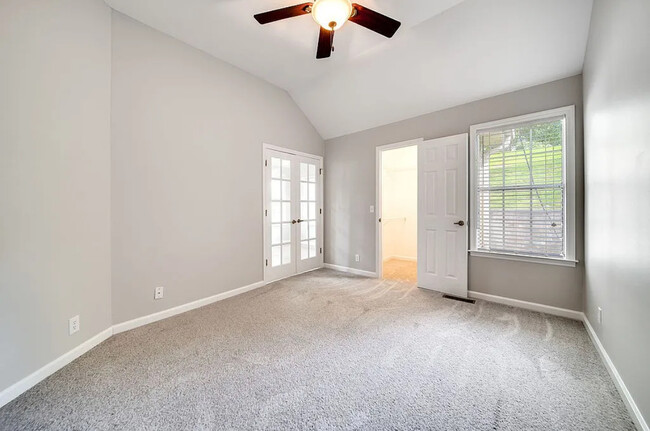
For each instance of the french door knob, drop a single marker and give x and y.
(293, 222)
(460, 223)
(299, 221)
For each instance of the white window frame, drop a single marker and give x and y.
(569, 180)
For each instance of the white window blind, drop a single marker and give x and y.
(521, 188)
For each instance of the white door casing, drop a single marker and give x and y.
(379, 258)
(293, 227)
(442, 215)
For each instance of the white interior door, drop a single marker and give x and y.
(442, 215)
(279, 221)
(310, 226)
(293, 227)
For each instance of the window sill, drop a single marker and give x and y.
(531, 259)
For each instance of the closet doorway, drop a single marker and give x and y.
(422, 213)
(398, 209)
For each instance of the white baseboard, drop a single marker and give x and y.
(351, 270)
(632, 408)
(618, 381)
(556, 311)
(145, 320)
(23, 385)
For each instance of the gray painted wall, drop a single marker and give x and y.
(350, 190)
(187, 134)
(617, 183)
(54, 179)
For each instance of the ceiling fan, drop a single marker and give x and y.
(331, 15)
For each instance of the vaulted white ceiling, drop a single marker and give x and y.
(446, 53)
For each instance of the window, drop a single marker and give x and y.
(522, 187)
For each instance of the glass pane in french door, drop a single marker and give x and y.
(308, 211)
(281, 227)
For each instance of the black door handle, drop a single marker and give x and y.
(460, 223)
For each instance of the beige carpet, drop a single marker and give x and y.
(329, 351)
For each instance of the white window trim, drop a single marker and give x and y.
(569, 172)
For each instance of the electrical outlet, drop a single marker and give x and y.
(159, 293)
(600, 315)
(74, 324)
(357, 258)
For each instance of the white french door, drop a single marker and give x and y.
(310, 255)
(442, 215)
(293, 214)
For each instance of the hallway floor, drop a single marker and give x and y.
(402, 270)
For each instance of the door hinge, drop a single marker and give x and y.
(267, 262)
(266, 213)
(321, 171)
(321, 250)
(266, 162)
(321, 211)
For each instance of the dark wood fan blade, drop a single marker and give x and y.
(325, 39)
(374, 21)
(284, 13)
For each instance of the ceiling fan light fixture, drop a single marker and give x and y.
(331, 14)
